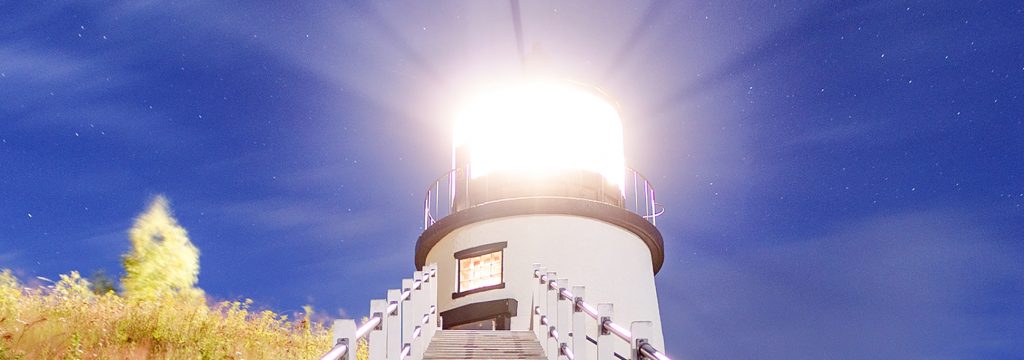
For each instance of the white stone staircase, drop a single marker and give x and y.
(484, 344)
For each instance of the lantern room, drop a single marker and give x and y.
(538, 139)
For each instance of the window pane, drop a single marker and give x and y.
(480, 271)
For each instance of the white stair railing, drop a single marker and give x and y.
(399, 328)
(560, 319)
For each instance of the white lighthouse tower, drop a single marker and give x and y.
(539, 177)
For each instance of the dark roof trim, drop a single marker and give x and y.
(549, 206)
(480, 250)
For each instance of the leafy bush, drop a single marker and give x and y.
(161, 314)
(68, 321)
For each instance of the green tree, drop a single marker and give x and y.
(162, 260)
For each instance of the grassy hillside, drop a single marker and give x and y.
(68, 321)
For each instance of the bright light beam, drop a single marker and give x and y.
(540, 128)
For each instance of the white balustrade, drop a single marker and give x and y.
(552, 318)
(394, 324)
(539, 301)
(401, 327)
(605, 341)
(560, 317)
(409, 323)
(579, 325)
(398, 328)
(563, 308)
(378, 340)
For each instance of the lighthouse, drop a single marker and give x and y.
(538, 177)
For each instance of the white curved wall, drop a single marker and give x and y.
(613, 264)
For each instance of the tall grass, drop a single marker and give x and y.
(68, 321)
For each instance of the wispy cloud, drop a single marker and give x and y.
(310, 217)
(33, 76)
(914, 285)
(9, 259)
(49, 90)
(108, 238)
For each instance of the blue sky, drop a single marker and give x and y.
(842, 179)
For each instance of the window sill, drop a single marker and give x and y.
(457, 295)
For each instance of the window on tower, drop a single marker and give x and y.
(480, 269)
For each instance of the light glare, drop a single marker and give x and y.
(542, 128)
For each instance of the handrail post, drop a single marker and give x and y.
(376, 341)
(550, 310)
(345, 333)
(636, 203)
(451, 190)
(641, 331)
(560, 314)
(563, 310)
(408, 313)
(426, 211)
(539, 300)
(654, 216)
(415, 317)
(394, 325)
(579, 325)
(430, 301)
(605, 339)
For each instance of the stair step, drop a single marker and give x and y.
(484, 345)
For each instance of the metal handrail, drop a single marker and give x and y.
(342, 348)
(646, 349)
(336, 352)
(639, 198)
(431, 213)
(565, 350)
